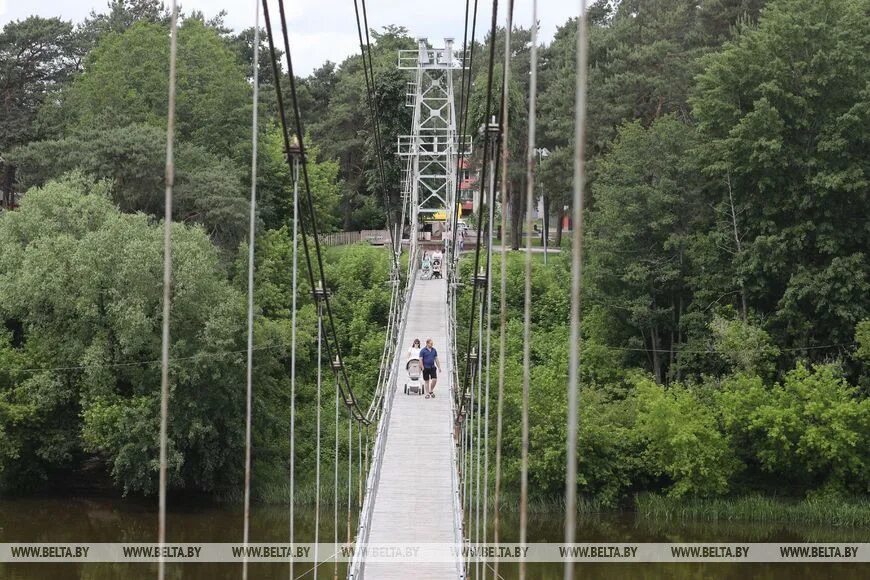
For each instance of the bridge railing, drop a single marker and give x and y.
(454, 455)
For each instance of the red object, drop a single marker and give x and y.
(468, 183)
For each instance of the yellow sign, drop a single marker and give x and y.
(441, 216)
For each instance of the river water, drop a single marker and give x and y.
(112, 520)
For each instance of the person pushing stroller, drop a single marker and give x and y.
(414, 368)
(431, 367)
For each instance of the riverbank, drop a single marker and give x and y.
(838, 512)
(850, 512)
(750, 509)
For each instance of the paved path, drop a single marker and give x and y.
(416, 490)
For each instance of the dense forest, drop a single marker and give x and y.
(83, 145)
(725, 331)
(726, 299)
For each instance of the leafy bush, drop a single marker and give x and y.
(811, 428)
(682, 440)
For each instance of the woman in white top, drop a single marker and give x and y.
(414, 351)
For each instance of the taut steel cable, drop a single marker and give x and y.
(505, 114)
(293, 357)
(576, 281)
(167, 288)
(527, 305)
(251, 241)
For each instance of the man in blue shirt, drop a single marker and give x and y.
(429, 358)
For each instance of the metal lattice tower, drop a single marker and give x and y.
(432, 148)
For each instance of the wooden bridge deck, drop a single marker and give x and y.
(416, 495)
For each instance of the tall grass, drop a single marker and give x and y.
(853, 512)
(510, 503)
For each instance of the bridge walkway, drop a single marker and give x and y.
(416, 498)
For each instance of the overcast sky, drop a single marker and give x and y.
(323, 30)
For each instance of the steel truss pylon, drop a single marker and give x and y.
(432, 149)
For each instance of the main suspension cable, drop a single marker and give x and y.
(465, 94)
(333, 348)
(377, 118)
(482, 205)
(369, 73)
(454, 219)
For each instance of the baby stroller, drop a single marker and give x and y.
(436, 268)
(414, 386)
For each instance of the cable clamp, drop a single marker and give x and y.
(320, 293)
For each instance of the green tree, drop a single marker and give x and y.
(122, 15)
(37, 56)
(644, 59)
(208, 189)
(783, 111)
(275, 186)
(82, 282)
(334, 103)
(862, 337)
(862, 355)
(518, 113)
(747, 347)
(125, 81)
(243, 45)
(648, 204)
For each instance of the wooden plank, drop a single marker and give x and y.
(415, 495)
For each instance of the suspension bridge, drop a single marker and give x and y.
(413, 487)
(424, 474)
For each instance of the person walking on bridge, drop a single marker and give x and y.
(429, 358)
(414, 351)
